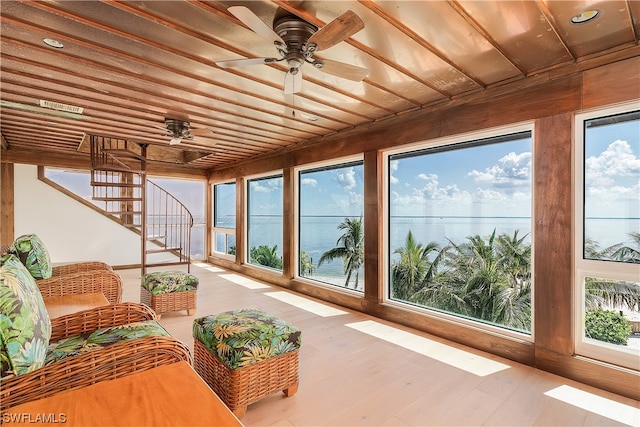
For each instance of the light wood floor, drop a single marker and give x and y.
(356, 370)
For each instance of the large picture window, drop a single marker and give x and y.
(264, 221)
(330, 225)
(608, 235)
(224, 218)
(459, 229)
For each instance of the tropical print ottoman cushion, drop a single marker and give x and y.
(101, 338)
(33, 254)
(25, 327)
(243, 337)
(163, 282)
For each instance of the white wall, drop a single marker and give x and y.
(70, 231)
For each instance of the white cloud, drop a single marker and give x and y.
(616, 161)
(266, 186)
(511, 170)
(309, 182)
(356, 198)
(612, 185)
(261, 188)
(393, 166)
(427, 176)
(347, 179)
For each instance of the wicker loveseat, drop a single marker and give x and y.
(106, 281)
(30, 249)
(40, 357)
(77, 278)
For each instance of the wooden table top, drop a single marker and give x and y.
(169, 395)
(58, 306)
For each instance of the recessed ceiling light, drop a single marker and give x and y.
(586, 16)
(312, 118)
(53, 43)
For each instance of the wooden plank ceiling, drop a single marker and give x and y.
(130, 65)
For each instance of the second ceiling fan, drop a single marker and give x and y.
(297, 41)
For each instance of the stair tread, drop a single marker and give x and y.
(114, 168)
(118, 199)
(124, 212)
(123, 152)
(157, 251)
(115, 184)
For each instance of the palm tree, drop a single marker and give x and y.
(266, 255)
(513, 304)
(514, 257)
(613, 293)
(624, 253)
(487, 280)
(306, 264)
(409, 272)
(349, 247)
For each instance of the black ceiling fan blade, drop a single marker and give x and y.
(256, 24)
(341, 28)
(244, 62)
(340, 69)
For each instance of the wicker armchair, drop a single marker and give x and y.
(79, 267)
(110, 362)
(105, 281)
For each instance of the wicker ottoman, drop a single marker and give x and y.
(166, 291)
(245, 355)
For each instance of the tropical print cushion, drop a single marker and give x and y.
(31, 251)
(243, 337)
(4, 258)
(163, 282)
(101, 338)
(25, 327)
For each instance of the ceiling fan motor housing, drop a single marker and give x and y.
(177, 128)
(295, 33)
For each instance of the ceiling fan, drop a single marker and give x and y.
(297, 41)
(180, 130)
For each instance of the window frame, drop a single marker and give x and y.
(223, 230)
(452, 140)
(247, 182)
(582, 268)
(325, 164)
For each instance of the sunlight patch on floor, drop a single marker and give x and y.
(472, 363)
(306, 304)
(608, 408)
(209, 267)
(244, 281)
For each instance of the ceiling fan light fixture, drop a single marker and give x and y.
(53, 43)
(585, 16)
(175, 141)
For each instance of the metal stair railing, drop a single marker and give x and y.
(118, 178)
(169, 224)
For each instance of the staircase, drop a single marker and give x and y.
(118, 178)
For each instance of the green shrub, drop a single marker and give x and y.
(607, 325)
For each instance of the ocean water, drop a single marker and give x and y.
(321, 233)
(611, 231)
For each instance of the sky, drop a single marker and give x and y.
(487, 180)
(612, 170)
(491, 180)
(336, 192)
